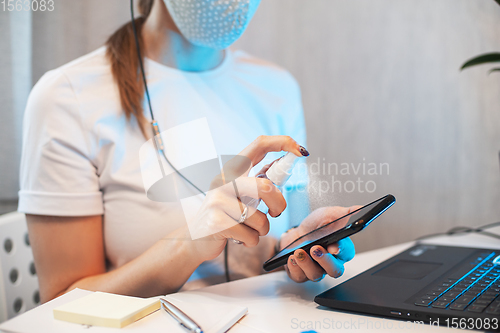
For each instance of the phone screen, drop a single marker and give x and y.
(344, 222)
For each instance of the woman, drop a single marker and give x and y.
(91, 225)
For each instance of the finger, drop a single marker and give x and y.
(255, 218)
(332, 266)
(272, 196)
(329, 214)
(294, 271)
(243, 233)
(265, 144)
(326, 215)
(235, 167)
(355, 207)
(259, 222)
(343, 249)
(264, 169)
(261, 188)
(311, 269)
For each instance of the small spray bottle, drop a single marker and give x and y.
(278, 173)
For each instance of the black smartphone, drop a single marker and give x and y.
(334, 231)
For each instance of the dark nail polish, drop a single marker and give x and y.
(301, 256)
(318, 253)
(304, 151)
(293, 262)
(278, 215)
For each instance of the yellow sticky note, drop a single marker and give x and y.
(108, 310)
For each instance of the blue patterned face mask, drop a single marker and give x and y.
(212, 23)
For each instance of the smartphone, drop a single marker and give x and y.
(334, 231)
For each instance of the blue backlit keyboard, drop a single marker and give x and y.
(474, 287)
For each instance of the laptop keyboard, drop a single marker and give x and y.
(474, 287)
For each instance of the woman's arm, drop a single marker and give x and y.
(69, 253)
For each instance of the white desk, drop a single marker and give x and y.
(276, 304)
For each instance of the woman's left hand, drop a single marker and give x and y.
(303, 266)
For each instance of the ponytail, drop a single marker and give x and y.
(122, 54)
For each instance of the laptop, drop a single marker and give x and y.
(439, 285)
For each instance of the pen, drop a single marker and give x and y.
(181, 317)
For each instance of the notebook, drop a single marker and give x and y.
(213, 316)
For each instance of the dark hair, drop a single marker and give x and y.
(122, 54)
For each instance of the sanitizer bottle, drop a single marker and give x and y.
(278, 173)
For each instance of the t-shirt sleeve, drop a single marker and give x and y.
(57, 175)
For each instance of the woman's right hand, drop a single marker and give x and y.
(69, 251)
(222, 208)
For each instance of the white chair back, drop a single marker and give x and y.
(18, 280)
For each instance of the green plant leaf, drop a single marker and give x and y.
(482, 59)
(494, 69)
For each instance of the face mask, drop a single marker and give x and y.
(212, 23)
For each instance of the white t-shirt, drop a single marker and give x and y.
(81, 154)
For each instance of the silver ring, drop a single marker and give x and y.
(242, 219)
(243, 216)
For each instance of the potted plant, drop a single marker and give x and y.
(484, 58)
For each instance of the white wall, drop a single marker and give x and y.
(380, 84)
(15, 85)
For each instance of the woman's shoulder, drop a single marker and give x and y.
(78, 72)
(264, 70)
(70, 88)
(94, 60)
(86, 75)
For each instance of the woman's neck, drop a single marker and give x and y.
(164, 43)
